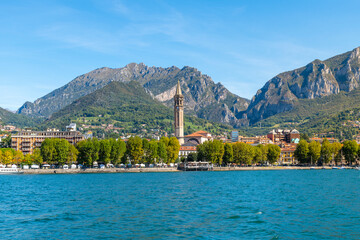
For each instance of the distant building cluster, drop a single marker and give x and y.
(288, 136)
(27, 141)
(8, 128)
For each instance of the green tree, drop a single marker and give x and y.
(27, 159)
(1, 157)
(95, 150)
(243, 153)
(6, 142)
(336, 152)
(61, 151)
(302, 151)
(85, 149)
(72, 154)
(145, 144)
(165, 140)
(162, 152)
(104, 151)
(134, 149)
(228, 153)
(36, 156)
(47, 151)
(173, 149)
(273, 153)
(350, 149)
(118, 149)
(326, 151)
(260, 154)
(201, 152)
(152, 151)
(314, 152)
(214, 151)
(191, 157)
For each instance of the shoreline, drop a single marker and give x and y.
(152, 170)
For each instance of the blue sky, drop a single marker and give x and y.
(242, 44)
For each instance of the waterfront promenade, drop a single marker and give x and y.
(139, 170)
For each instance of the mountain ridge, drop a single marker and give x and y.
(199, 90)
(316, 79)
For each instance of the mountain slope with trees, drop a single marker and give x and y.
(128, 107)
(9, 118)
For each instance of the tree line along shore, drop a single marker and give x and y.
(59, 152)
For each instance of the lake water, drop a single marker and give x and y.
(288, 204)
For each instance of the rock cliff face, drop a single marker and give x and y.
(199, 91)
(315, 80)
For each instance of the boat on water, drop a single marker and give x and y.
(10, 170)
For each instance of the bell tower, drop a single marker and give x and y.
(179, 114)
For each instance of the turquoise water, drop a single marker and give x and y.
(289, 204)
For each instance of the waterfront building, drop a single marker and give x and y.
(287, 155)
(186, 150)
(179, 114)
(27, 141)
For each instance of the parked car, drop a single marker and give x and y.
(73, 166)
(25, 167)
(35, 166)
(45, 166)
(142, 165)
(151, 165)
(102, 166)
(65, 167)
(110, 165)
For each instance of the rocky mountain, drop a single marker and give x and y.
(200, 92)
(128, 108)
(315, 80)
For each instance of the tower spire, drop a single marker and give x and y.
(178, 88)
(179, 114)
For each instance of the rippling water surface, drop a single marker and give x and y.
(289, 204)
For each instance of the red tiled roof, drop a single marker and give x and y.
(188, 148)
(198, 134)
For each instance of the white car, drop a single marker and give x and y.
(26, 167)
(142, 165)
(65, 167)
(102, 166)
(35, 166)
(73, 166)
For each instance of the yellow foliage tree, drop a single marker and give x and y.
(7, 157)
(18, 157)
